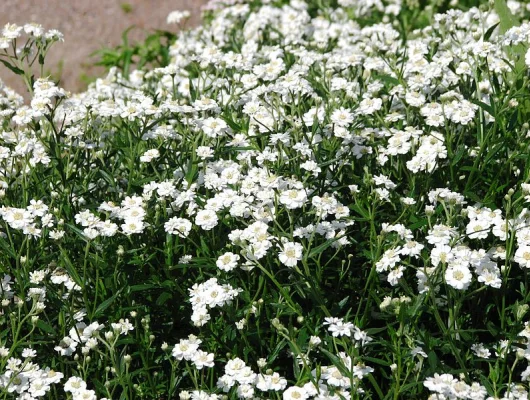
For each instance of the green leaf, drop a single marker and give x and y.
(377, 361)
(43, 326)
(279, 347)
(361, 212)
(337, 362)
(343, 302)
(142, 287)
(458, 155)
(493, 152)
(231, 123)
(319, 249)
(507, 19)
(486, 107)
(163, 298)
(7, 248)
(432, 359)
(492, 328)
(16, 70)
(388, 79)
(489, 32)
(70, 268)
(106, 304)
(376, 386)
(77, 231)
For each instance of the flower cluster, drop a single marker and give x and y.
(26, 378)
(208, 295)
(188, 349)
(285, 163)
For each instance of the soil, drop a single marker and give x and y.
(89, 26)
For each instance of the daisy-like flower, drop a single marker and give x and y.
(291, 254)
(178, 226)
(458, 277)
(74, 385)
(369, 106)
(227, 262)
(202, 359)
(186, 349)
(361, 370)
(338, 327)
(478, 229)
(175, 17)
(38, 387)
(206, 219)
(150, 155)
(293, 198)
(342, 117)
(66, 346)
(522, 256)
(12, 31)
(85, 394)
(295, 393)
(132, 225)
(123, 326)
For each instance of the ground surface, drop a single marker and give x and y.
(88, 26)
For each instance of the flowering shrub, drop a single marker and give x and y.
(309, 201)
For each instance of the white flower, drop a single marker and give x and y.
(293, 198)
(85, 394)
(291, 254)
(12, 31)
(369, 106)
(178, 226)
(338, 327)
(342, 117)
(441, 253)
(245, 391)
(480, 350)
(295, 393)
(74, 385)
(66, 346)
(186, 349)
(361, 370)
(225, 382)
(175, 17)
(150, 155)
(204, 152)
(206, 219)
(202, 359)
(522, 256)
(395, 274)
(458, 277)
(131, 226)
(478, 229)
(227, 262)
(29, 353)
(123, 326)
(38, 387)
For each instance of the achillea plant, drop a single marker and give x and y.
(309, 201)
